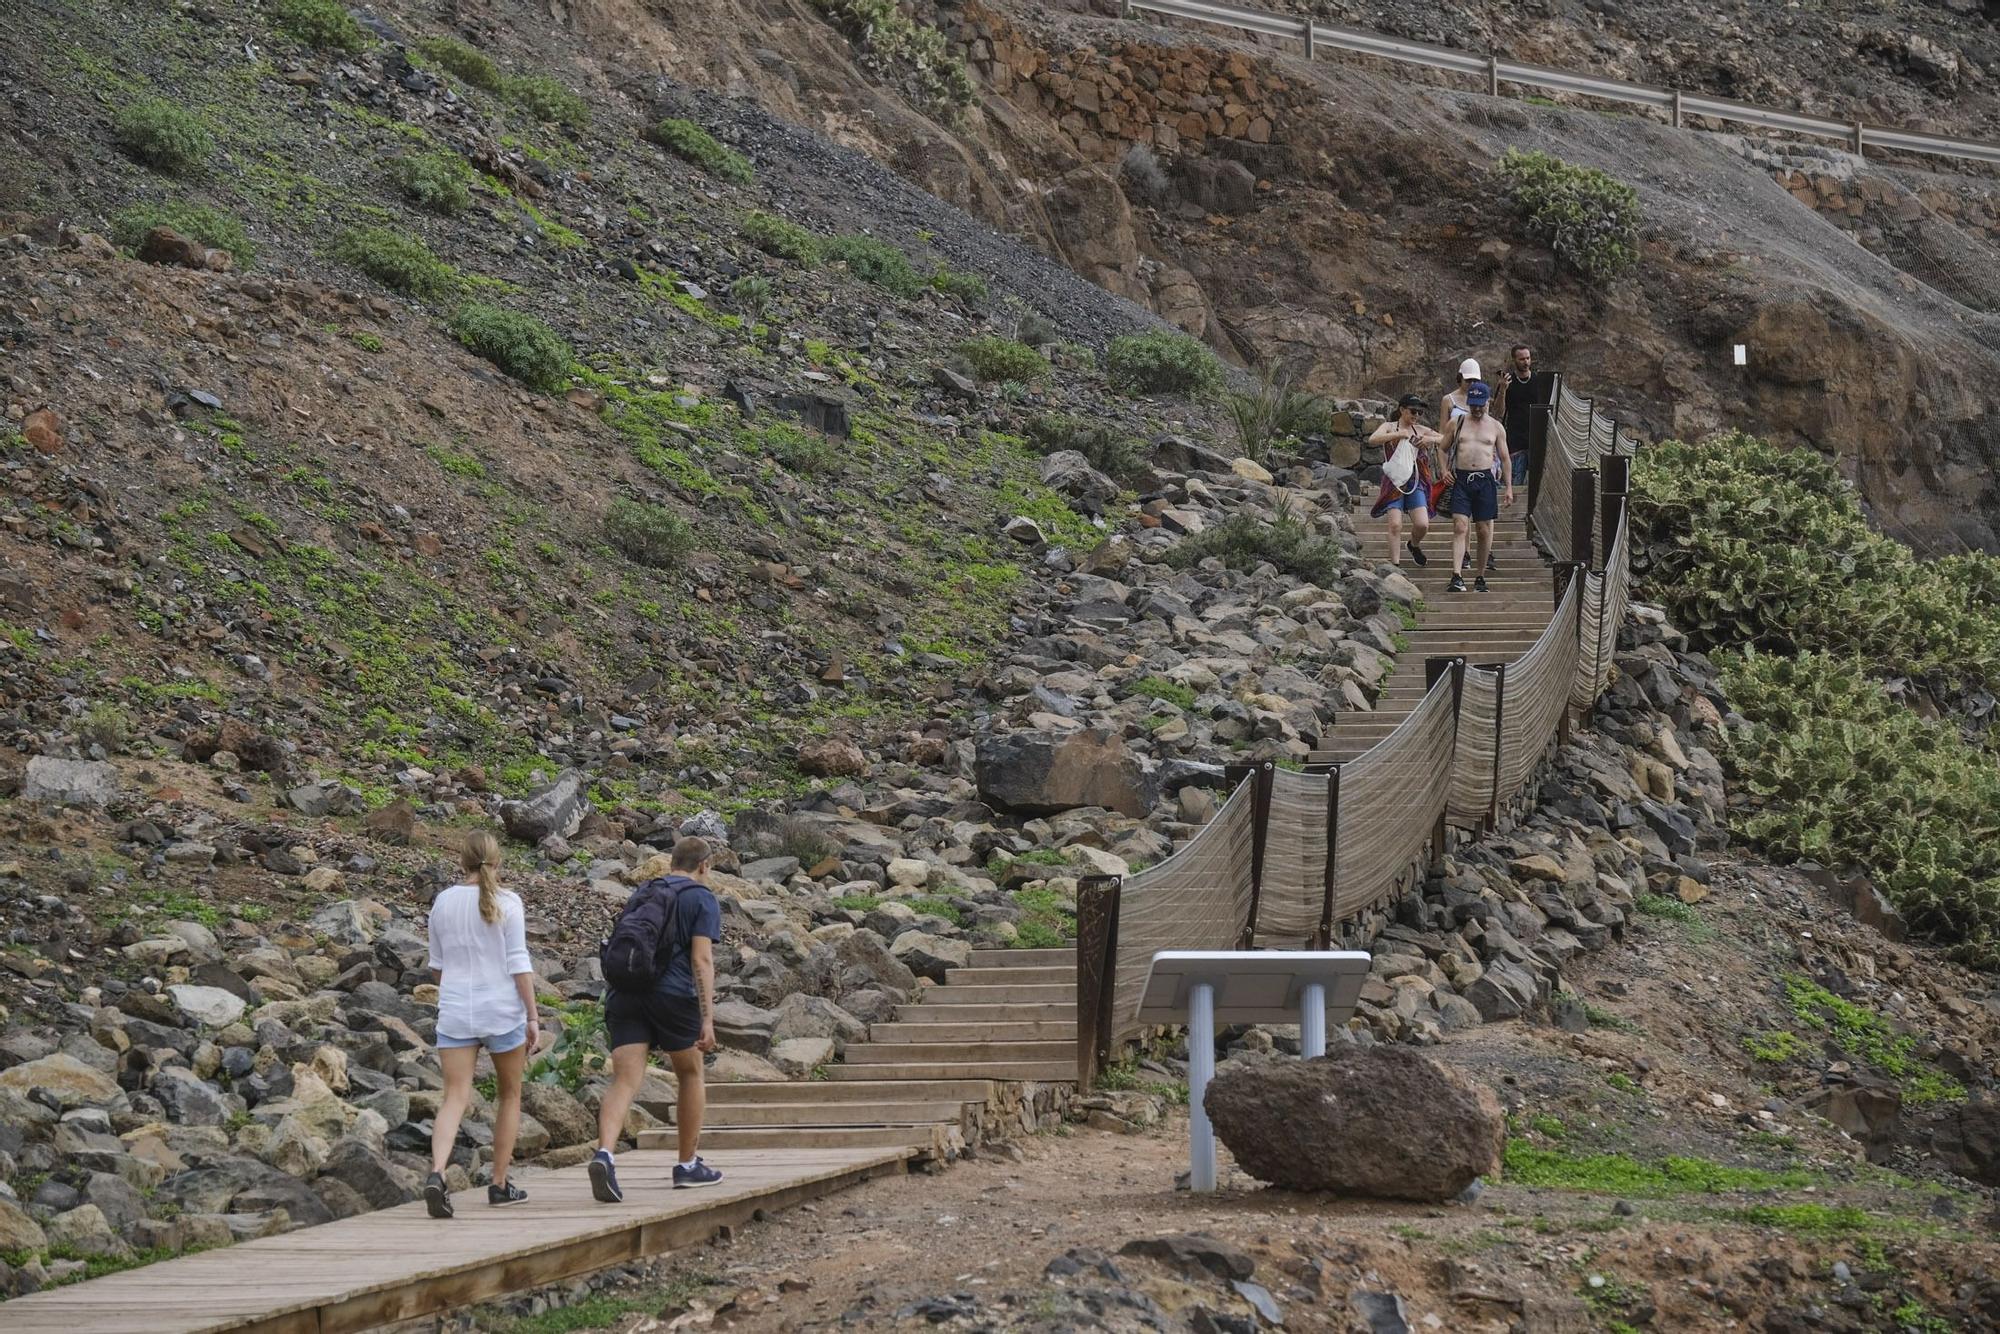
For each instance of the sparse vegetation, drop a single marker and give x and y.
(1109, 450)
(993, 359)
(398, 260)
(1867, 1036)
(322, 24)
(1616, 1173)
(1163, 363)
(547, 100)
(473, 67)
(163, 136)
(520, 345)
(440, 182)
(1277, 410)
(894, 44)
(750, 294)
(967, 287)
(1589, 219)
(1160, 688)
(781, 237)
(875, 261)
(1244, 541)
(691, 143)
(1775, 1048)
(650, 534)
(198, 222)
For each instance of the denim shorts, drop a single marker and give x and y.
(1418, 497)
(499, 1042)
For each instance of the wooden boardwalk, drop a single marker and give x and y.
(398, 1264)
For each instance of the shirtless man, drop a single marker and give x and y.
(1474, 443)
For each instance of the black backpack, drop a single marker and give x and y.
(636, 952)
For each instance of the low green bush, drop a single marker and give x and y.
(1163, 363)
(1118, 456)
(547, 100)
(163, 136)
(440, 182)
(781, 237)
(967, 287)
(993, 359)
(398, 260)
(1589, 219)
(1275, 411)
(210, 226)
(750, 294)
(1243, 541)
(1751, 546)
(650, 534)
(324, 24)
(520, 345)
(874, 261)
(471, 66)
(691, 143)
(1832, 770)
(896, 45)
(798, 449)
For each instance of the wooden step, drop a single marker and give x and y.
(1012, 977)
(1001, 995)
(1002, 1053)
(1065, 957)
(793, 1092)
(835, 1113)
(1059, 1031)
(928, 1136)
(1034, 1070)
(1017, 1012)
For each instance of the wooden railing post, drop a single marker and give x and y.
(1265, 772)
(1540, 420)
(1499, 670)
(1583, 509)
(1611, 500)
(1565, 573)
(1332, 855)
(1097, 898)
(1434, 668)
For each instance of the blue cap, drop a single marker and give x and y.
(1478, 394)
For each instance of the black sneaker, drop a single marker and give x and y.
(1417, 554)
(1457, 584)
(436, 1198)
(1492, 564)
(1479, 584)
(604, 1179)
(507, 1194)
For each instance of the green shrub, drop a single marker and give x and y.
(750, 294)
(1589, 219)
(473, 67)
(1163, 363)
(1834, 771)
(691, 143)
(1275, 411)
(163, 136)
(1160, 688)
(994, 359)
(1113, 453)
(520, 345)
(212, 227)
(1243, 541)
(967, 287)
(547, 100)
(781, 237)
(324, 24)
(650, 534)
(874, 261)
(894, 44)
(440, 182)
(800, 450)
(397, 260)
(1750, 545)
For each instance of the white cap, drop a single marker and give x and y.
(1468, 369)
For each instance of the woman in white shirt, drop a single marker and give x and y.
(486, 998)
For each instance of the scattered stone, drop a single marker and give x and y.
(60, 782)
(555, 810)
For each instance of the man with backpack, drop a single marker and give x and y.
(659, 966)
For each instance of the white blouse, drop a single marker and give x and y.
(477, 997)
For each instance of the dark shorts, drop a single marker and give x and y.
(1476, 496)
(664, 1023)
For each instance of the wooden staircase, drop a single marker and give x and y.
(925, 1077)
(1495, 626)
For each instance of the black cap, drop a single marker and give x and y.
(1410, 401)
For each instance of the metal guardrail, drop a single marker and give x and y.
(1858, 136)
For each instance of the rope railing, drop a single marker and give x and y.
(1292, 857)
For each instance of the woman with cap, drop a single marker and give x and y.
(1406, 477)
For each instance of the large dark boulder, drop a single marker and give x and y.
(1040, 773)
(1965, 1137)
(1381, 1121)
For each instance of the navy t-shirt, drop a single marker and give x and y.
(696, 913)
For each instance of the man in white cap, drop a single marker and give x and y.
(1474, 443)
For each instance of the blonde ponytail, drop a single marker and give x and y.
(481, 857)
